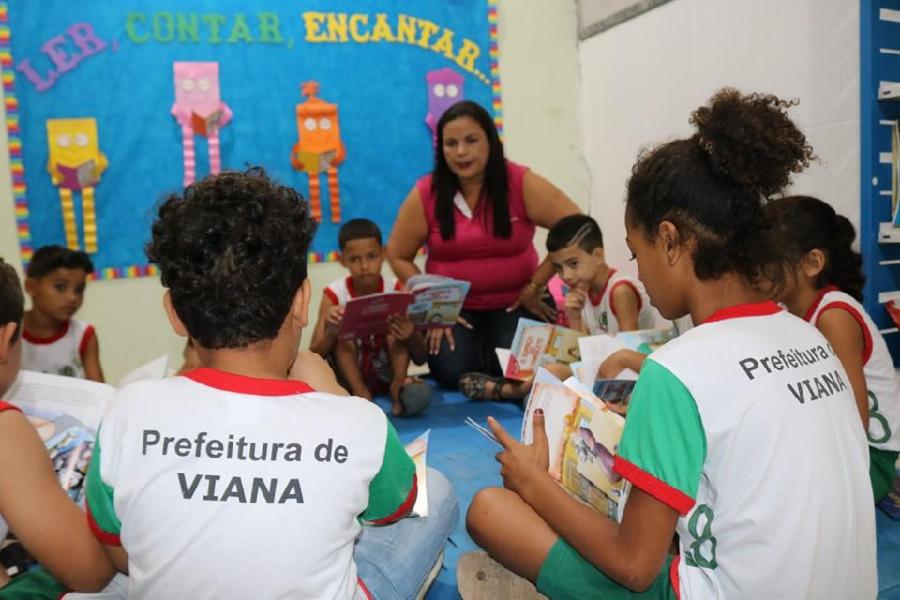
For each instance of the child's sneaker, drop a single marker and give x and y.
(479, 577)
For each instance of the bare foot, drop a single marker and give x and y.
(396, 387)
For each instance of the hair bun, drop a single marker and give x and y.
(751, 139)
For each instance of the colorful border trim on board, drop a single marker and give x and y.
(13, 131)
(17, 166)
(494, 56)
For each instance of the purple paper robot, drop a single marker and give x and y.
(445, 88)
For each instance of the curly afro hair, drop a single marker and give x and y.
(232, 251)
(713, 185)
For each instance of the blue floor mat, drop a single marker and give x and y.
(467, 459)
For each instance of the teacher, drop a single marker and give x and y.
(476, 213)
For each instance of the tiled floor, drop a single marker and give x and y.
(468, 461)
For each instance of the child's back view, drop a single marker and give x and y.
(233, 481)
(53, 341)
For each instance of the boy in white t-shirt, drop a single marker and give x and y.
(233, 481)
(53, 341)
(379, 363)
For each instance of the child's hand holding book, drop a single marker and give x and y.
(521, 464)
(334, 317)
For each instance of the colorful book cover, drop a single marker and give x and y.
(368, 315)
(614, 391)
(437, 300)
(536, 344)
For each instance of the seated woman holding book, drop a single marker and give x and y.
(476, 213)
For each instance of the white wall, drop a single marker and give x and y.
(642, 79)
(539, 72)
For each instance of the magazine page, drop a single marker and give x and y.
(418, 451)
(66, 413)
(558, 403)
(367, 315)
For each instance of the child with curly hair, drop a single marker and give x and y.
(234, 464)
(822, 282)
(766, 490)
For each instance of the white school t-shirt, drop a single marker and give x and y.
(599, 311)
(224, 486)
(60, 354)
(882, 382)
(746, 425)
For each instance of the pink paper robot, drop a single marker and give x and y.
(445, 88)
(199, 110)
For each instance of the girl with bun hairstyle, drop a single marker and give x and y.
(821, 281)
(724, 445)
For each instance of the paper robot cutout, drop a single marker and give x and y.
(76, 164)
(445, 88)
(199, 110)
(319, 148)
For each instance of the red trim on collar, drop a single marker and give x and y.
(659, 489)
(57, 335)
(232, 382)
(597, 298)
(815, 305)
(755, 309)
(352, 292)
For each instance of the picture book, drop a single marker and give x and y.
(367, 315)
(437, 300)
(66, 413)
(418, 451)
(595, 349)
(583, 438)
(536, 344)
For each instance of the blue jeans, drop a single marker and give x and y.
(394, 560)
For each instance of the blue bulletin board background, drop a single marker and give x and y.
(124, 81)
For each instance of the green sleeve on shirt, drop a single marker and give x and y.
(663, 434)
(100, 497)
(392, 488)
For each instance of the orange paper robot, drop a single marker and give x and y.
(319, 148)
(75, 164)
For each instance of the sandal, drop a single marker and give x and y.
(474, 385)
(479, 577)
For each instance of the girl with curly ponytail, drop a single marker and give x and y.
(821, 280)
(734, 429)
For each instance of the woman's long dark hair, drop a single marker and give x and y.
(494, 199)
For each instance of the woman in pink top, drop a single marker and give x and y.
(476, 213)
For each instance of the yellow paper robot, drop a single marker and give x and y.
(76, 164)
(319, 148)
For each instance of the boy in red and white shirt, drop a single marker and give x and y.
(54, 342)
(379, 363)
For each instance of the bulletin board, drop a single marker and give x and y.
(335, 98)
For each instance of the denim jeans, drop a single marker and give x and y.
(394, 560)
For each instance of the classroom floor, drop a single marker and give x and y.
(467, 459)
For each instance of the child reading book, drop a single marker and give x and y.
(721, 446)
(599, 299)
(375, 364)
(32, 503)
(258, 481)
(53, 341)
(822, 282)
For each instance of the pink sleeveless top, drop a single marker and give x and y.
(497, 268)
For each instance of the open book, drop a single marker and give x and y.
(536, 344)
(583, 438)
(66, 413)
(433, 301)
(438, 300)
